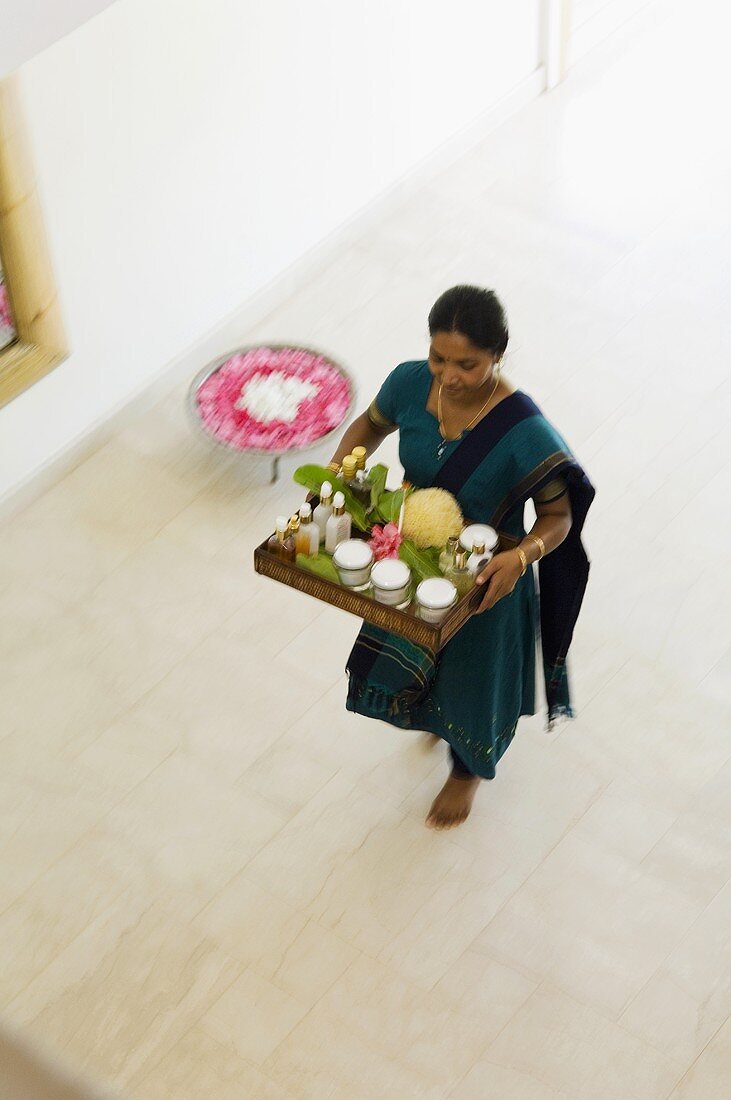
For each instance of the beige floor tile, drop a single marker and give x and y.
(324, 1057)
(125, 990)
(45, 809)
(372, 898)
(253, 1016)
(198, 1065)
(569, 1047)
(228, 704)
(429, 1034)
(489, 1081)
(591, 923)
(624, 820)
(77, 888)
(709, 1075)
(669, 1019)
(192, 834)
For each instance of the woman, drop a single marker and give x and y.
(464, 428)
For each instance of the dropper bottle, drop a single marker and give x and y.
(324, 509)
(281, 544)
(307, 539)
(338, 526)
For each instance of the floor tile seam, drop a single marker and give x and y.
(67, 944)
(633, 997)
(87, 834)
(698, 1057)
(140, 699)
(724, 656)
(198, 1016)
(361, 1035)
(549, 983)
(678, 943)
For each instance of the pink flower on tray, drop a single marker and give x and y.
(385, 541)
(273, 399)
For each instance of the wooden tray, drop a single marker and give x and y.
(406, 623)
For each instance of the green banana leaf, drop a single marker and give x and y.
(389, 505)
(312, 478)
(321, 564)
(422, 563)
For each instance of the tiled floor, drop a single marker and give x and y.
(214, 881)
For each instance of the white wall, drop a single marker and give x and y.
(593, 21)
(29, 26)
(190, 150)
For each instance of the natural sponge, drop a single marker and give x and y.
(430, 517)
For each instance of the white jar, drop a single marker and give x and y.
(353, 559)
(391, 580)
(478, 532)
(435, 597)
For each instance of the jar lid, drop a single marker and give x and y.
(353, 554)
(478, 532)
(436, 593)
(390, 574)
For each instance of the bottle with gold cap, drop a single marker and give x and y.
(361, 474)
(281, 544)
(359, 454)
(446, 558)
(479, 558)
(338, 527)
(459, 574)
(307, 539)
(324, 509)
(357, 486)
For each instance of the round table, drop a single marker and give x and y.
(271, 400)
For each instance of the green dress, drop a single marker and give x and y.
(486, 675)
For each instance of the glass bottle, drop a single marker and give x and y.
(324, 509)
(459, 574)
(338, 527)
(361, 474)
(446, 558)
(357, 486)
(307, 539)
(478, 559)
(281, 544)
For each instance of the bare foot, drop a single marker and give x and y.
(453, 803)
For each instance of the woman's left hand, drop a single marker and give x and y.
(499, 578)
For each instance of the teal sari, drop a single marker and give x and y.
(474, 691)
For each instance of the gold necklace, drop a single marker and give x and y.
(440, 449)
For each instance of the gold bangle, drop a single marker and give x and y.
(334, 466)
(523, 559)
(540, 544)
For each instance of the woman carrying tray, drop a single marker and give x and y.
(463, 428)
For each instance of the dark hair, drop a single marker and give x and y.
(475, 313)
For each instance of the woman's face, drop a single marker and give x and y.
(458, 365)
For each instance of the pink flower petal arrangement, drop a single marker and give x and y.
(385, 541)
(221, 399)
(6, 317)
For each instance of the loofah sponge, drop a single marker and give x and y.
(430, 517)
